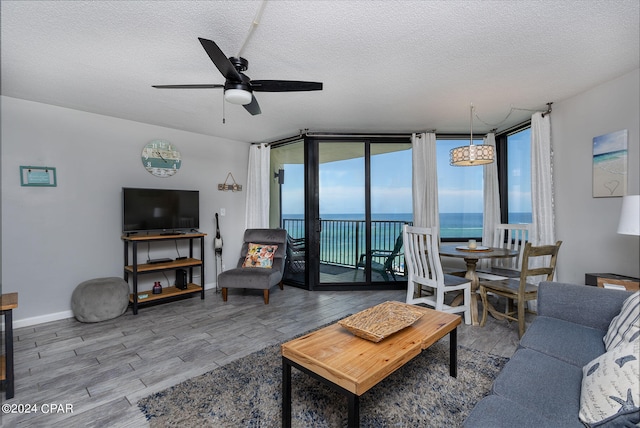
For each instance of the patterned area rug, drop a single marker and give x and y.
(247, 393)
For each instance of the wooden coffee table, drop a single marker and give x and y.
(352, 366)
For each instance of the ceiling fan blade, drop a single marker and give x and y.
(196, 86)
(220, 60)
(284, 86)
(253, 107)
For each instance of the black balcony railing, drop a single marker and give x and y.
(342, 242)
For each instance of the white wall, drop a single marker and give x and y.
(586, 225)
(54, 238)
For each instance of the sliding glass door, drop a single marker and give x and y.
(343, 203)
(287, 206)
(342, 209)
(391, 208)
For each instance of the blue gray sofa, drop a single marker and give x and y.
(541, 384)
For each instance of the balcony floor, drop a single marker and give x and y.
(332, 274)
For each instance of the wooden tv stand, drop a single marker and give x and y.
(134, 269)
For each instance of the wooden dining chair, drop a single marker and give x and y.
(512, 237)
(422, 261)
(519, 290)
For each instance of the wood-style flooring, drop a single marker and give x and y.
(101, 370)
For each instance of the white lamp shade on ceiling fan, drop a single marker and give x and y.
(238, 96)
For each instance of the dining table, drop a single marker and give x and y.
(471, 258)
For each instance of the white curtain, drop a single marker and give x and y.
(491, 213)
(425, 181)
(491, 209)
(542, 228)
(257, 212)
(542, 225)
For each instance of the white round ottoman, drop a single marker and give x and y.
(100, 299)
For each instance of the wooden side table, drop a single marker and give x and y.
(599, 279)
(8, 302)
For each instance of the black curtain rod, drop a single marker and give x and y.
(332, 135)
(337, 135)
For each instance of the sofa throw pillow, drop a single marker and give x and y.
(259, 256)
(610, 393)
(624, 327)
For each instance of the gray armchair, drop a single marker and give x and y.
(257, 278)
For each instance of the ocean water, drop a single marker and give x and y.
(342, 240)
(611, 162)
(452, 225)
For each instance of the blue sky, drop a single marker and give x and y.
(611, 142)
(342, 182)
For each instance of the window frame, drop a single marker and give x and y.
(501, 161)
(502, 157)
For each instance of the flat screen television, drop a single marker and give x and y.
(160, 210)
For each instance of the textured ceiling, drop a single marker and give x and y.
(387, 66)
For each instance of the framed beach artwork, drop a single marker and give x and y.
(610, 165)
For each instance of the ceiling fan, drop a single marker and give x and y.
(239, 88)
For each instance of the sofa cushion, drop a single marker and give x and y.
(567, 341)
(544, 385)
(610, 393)
(625, 327)
(259, 255)
(495, 411)
(581, 304)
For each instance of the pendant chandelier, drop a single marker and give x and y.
(471, 155)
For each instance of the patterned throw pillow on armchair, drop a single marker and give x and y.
(259, 256)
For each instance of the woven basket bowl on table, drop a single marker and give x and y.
(382, 320)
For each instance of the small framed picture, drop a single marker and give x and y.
(42, 176)
(610, 160)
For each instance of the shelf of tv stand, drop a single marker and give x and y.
(135, 269)
(155, 267)
(167, 292)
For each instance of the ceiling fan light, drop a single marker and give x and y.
(238, 96)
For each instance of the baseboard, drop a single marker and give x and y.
(27, 322)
